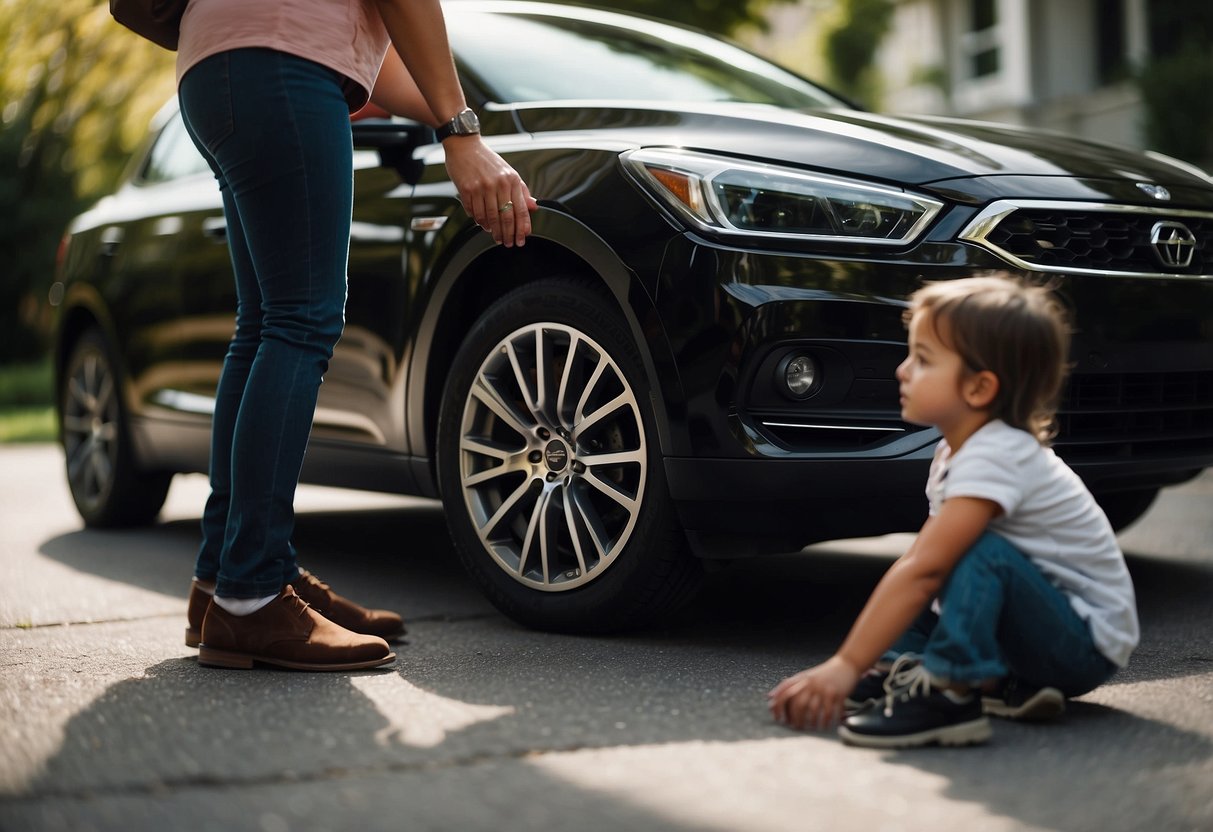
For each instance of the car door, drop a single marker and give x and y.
(178, 351)
(362, 398)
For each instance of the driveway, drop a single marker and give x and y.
(107, 721)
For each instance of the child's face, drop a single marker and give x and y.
(930, 379)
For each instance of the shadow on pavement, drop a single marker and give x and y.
(175, 749)
(797, 607)
(441, 740)
(385, 557)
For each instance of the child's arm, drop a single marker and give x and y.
(814, 697)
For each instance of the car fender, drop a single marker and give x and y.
(633, 298)
(81, 302)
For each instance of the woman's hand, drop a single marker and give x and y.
(492, 192)
(814, 698)
(424, 83)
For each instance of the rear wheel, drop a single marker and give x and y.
(550, 469)
(106, 484)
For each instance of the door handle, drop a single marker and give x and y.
(111, 238)
(215, 228)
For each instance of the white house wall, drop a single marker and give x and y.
(1047, 73)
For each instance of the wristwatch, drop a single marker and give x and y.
(465, 123)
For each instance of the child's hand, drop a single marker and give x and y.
(814, 698)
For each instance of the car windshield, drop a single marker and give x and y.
(542, 57)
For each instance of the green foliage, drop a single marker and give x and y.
(1175, 85)
(26, 399)
(27, 424)
(851, 45)
(26, 384)
(78, 92)
(720, 16)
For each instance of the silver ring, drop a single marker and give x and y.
(509, 206)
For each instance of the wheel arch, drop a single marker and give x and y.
(480, 272)
(82, 311)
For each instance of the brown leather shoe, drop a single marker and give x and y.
(321, 598)
(286, 632)
(199, 601)
(345, 612)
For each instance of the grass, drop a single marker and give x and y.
(27, 412)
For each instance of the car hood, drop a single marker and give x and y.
(914, 150)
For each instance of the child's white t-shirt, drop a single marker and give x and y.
(1049, 515)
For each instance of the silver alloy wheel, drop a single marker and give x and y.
(90, 428)
(553, 458)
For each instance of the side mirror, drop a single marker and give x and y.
(395, 141)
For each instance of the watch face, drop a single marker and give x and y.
(465, 123)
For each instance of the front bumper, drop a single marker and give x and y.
(755, 470)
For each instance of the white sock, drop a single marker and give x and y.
(244, 606)
(206, 586)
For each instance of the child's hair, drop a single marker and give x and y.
(1016, 330)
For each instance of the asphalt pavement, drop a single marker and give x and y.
(107, 721)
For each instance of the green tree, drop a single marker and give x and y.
(78, 92)
(851, 45)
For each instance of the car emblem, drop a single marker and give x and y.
(1174, 244)
(1156, 191)
(557, 456)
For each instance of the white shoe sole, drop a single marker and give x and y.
(1046, 703)
(964, 733)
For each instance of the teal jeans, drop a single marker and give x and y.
(1001, 617)
(275, 130)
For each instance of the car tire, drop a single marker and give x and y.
(1124, 508)
(106, 483)
(550, 469)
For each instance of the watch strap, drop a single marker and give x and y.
(464, 123)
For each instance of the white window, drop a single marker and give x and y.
(980, 43)
(990, 57)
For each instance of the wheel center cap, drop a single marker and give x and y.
(556, 455)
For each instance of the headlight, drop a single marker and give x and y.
(736, 197)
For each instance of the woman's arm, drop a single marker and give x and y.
(814, 697)
(485, 181)
(397, 92)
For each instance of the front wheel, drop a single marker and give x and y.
(550, 470)
(106, 484)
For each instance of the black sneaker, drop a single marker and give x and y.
(1019, 701)
(871, 687)
(913, 714)
(868, 691)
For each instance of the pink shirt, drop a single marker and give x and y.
(345, 35)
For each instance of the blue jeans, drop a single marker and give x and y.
(275, 129)
(1001, 617)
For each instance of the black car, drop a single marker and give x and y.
(693, 356)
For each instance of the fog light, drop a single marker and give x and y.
(800, 375)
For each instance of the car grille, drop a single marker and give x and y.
(1136, 415)
(1089, 238)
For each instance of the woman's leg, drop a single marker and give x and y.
(230, 393)
(1000, 616)
(276, 128)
